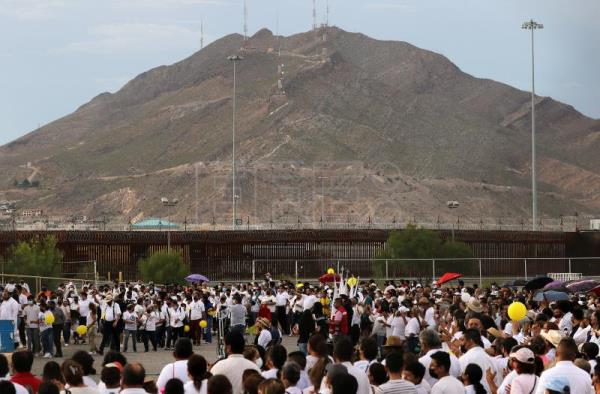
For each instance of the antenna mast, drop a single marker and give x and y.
(245, 21)
(314, 14)
(201, 33)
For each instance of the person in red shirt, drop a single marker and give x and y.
(22, 360)
(338, 324)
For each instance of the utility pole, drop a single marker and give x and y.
(533, 25)
(245, 21)
(234, 59)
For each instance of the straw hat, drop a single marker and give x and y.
(263, 322)
(393, 341)
(109, 297)
(474, 305)
(552, 336)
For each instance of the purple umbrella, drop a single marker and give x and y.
(555, 284)
(196, 278)
(582, 285)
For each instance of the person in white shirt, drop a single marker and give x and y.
(342, 354)
(579, 381)
(31, 314)
(281, 303)
(439, 369)
(396, 384)
(178, 369)
(133, 379)
(235, 364)
(197, 372)
(473, 353)
(309, 300)
(130, 318)
(367, 351)
(9, 310)
(431, 343)
(523, 363)
(111, 314)
(290, 376)
(264, 336)
(196, 314)
(414, 373)
(471, 378)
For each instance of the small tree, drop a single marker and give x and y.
(164, 267)
(39, 257)
(419, 243)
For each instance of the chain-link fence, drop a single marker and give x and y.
(473, 269)
(562, 223)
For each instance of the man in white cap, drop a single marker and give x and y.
(579, 381)
(111, 313)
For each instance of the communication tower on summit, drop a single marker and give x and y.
(245, 21)
(201, 33)
(314, 15)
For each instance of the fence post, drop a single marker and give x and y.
(296, 269)
(569, 267)
(433, 269)
(387, 272)
(95, 274)
(480, 280)
(253, 270)
(525, 269)
(338, 268)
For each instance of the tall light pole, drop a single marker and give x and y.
(234, 59)
(322, 178)
(169, 204)
(533, 25)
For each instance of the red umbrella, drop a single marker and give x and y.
(596, 290)
(447, 277)
(328, 278)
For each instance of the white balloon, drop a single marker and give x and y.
(465, 297)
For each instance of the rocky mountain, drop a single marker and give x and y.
(328, 122)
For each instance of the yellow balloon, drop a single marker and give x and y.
(517, 311)
(203, 324)
(352, 281)
(186, 328)
(331, 271)
(49, 319)
(299, 285)
(81, 330)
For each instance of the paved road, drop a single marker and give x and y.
(152, 361)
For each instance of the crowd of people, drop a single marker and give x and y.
(392, 337)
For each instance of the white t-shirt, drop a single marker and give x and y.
(191, 389)
(448, 385)
(178, 370)
(309, 302)
(524, 384)
(196, 311)
(130, 319)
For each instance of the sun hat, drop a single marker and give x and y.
(263, 322)
(552, 336)
(393, 341)
(523, 355)
(474, 305)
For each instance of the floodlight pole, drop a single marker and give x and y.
(169, 203)
(234, 59)
(532, 25)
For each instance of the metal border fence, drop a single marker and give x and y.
(474, 269)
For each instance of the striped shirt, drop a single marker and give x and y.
(398, 386)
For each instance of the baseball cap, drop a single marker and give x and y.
(523, 355)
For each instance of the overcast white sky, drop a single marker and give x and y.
(55, 55)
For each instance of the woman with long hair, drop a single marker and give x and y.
(320, 320)
(472, 379)
(196, 367)
(73, 373)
